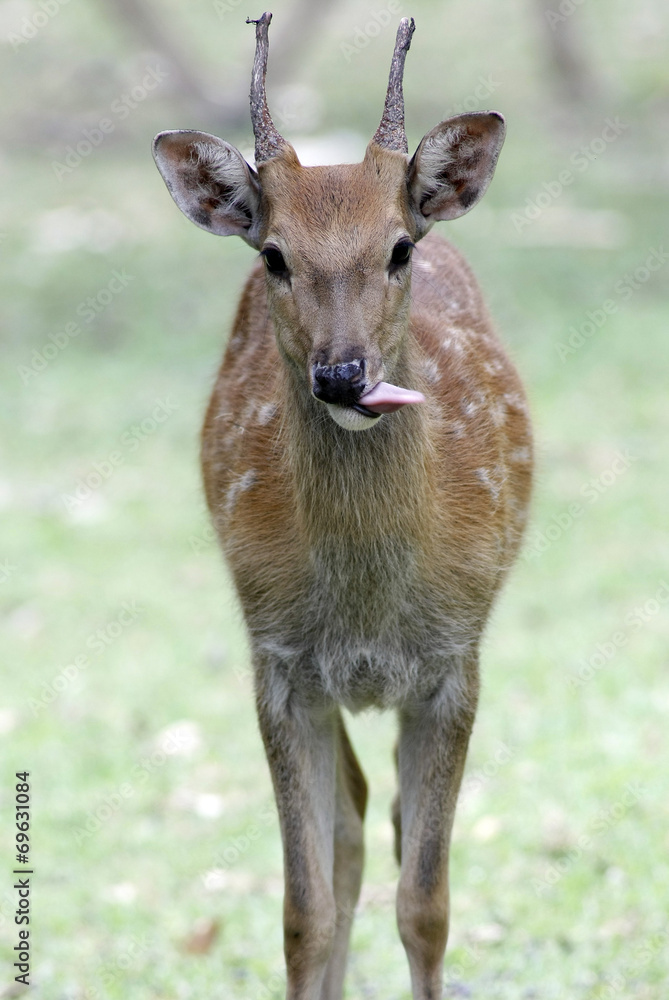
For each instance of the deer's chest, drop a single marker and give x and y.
(363, 628)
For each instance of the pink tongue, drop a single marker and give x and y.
(386, 398)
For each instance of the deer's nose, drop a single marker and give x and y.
(341, 384)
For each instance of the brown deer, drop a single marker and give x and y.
(367, 465)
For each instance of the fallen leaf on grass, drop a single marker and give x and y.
(201, 937)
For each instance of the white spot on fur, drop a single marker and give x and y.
(498, 414)
(521, 456)
(515, 401)
(457, 428)
(431, 370)
(491, 480)
(240, 485)
(266, 413)
(453, 345)
(473, 402)
(518, 511)
(493, 368)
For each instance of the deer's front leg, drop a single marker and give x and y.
(432, 750)
(301, 747)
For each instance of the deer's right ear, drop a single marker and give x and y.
(211, 182)
(453, 166)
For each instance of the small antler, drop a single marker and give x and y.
(269, 142)
(390, 132)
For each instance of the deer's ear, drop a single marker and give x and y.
(453, 166)
(211, 182)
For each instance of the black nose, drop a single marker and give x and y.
(342, 384)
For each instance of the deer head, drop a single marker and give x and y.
(336, 241)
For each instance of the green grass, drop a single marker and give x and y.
(559, 864)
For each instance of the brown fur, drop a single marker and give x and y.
(419, 516)
(366, 561)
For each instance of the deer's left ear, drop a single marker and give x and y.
(453, 166)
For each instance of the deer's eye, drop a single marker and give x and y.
(401, 253)
(274, 261)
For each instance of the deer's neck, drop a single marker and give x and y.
(358, 485)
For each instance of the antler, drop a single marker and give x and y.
(269, 142)
(390, 132)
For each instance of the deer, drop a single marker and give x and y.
(367, 462)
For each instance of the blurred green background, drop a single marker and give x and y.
(125, 688)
